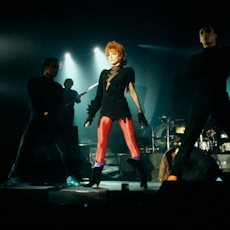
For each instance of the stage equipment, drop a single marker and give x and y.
(225, 147)
(146, 150)
(169, 133)
(144, 137)
(204, 144)
(213, 141)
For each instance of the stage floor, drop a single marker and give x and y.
(116, 205)
(60, 193)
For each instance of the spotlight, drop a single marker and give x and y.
(100, 59)
(67, 55)
(96, 49)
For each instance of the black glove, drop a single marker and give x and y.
(142, 119)
(88, 119)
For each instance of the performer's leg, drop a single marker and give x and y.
(64, 148)
(127, 128)
(62, 143)
(221, 112)
(197, 117)
(26, 156)
(135, 161)
(102, 134)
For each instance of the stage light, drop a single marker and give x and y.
(73, 67)
(183, 51)
(157, 48)
(96, 49)
(70, 68)
(100, 60)
(67, 55)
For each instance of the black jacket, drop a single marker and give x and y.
(45, 95)
(112, 101)
(211, 69)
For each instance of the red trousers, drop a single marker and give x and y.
(103, 133)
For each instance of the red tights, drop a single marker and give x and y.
(103, 133)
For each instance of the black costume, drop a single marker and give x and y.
(67, 107)
(45, 96)
(110, 98)
(210, 69)
(112, 102)
(66, 117)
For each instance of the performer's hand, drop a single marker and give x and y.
(87, 124)
(88, 121)
(142, 119)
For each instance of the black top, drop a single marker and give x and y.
(45, 95)
(112, 101)
(211, 69)
(70, 97)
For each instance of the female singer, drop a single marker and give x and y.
(110, 98)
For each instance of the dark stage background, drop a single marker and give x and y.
(158, 36)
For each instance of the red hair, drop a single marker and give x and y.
(117, 47)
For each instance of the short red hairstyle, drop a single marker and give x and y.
(117, 47)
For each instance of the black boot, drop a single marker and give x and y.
(96, 177)
(137, 164)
